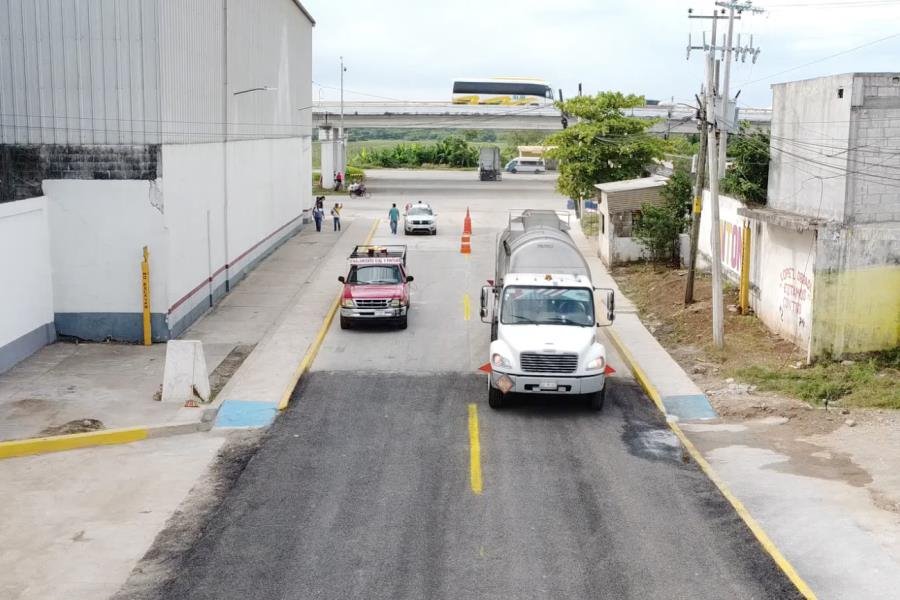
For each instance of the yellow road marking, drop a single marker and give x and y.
(313, 350)
(59, 443)
(474, 451)
(467, 307)
(761, 535)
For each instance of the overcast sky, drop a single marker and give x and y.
(413, 49)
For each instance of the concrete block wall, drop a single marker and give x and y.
(874, 183)
(23, 167)
(26, 291)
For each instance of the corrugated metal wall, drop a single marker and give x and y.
(78, 72)
(152, 71)
(269, 44)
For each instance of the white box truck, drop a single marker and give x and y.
(542, 310)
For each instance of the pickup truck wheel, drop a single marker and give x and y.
(345, 323)
(434, 231)
(403, 322)
(495, 397)
(596, 400)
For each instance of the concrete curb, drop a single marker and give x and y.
(107, 437)
(768, 545)
(313, 350)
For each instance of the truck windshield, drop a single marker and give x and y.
(419, 210)
(547, 306)
(374, 274)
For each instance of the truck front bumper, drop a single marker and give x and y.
(549, 384)
(373, 313)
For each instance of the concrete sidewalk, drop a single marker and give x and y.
(680, 396)
(102, 386)
(265, 381)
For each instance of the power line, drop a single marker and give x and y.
(830, 56)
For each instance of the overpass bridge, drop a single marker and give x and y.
(445, 115)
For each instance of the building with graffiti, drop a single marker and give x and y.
(825, 250)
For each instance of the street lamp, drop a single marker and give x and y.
(266, 88)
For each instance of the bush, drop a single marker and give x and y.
(748, 176)
(660, 225)
(590, 224)
(451, 151)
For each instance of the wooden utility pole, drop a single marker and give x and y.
(698, 204)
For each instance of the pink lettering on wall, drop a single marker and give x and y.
(731, 244)
(796, 293)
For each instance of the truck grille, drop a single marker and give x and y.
(532, 362)
(372, 303)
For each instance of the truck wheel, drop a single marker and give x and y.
(403, 322)
(434, 231)
(596, 400)
(495, 397)
(346, 323)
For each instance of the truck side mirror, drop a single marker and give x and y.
(610, 306)
(409, 278)
(486, 291)
(341, 279)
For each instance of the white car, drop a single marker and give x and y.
(419, 218)
(524, 164)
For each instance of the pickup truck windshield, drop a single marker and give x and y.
(547, 306)
(383, 274)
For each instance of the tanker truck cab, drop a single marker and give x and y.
(544, 324)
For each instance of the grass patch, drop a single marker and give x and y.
(868, 381)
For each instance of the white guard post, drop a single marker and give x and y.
(185, 377)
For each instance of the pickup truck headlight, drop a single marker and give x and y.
(498, 360)
(395, 302)
(596, 364)
(347, 302)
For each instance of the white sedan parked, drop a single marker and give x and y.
(419, 218)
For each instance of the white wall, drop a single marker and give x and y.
(782, 270)
(268, 190)
(26, 292)
(98, 229)
(730, 240)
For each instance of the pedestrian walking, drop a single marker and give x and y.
(338, 181)
(336, 215)
(318, 216)
(394, 217)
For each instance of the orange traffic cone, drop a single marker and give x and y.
(466, 245)
(467, 222)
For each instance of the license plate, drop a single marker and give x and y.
(549, 385)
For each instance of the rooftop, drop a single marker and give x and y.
(632, 184)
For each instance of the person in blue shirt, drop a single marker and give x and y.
(394, 217)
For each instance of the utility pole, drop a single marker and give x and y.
(720, 111)
(698, 200)
(341, 143)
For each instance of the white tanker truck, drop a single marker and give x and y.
(541, 307)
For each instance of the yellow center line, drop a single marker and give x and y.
(474, 450)
(467, 307)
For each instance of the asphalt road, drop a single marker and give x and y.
(366, 486)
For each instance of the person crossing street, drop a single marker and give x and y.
(394, 217)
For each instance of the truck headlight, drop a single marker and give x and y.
(498, 360)
(596, 364)
(395, 302)
(347, 302)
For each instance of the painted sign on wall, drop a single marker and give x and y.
(731, 244)
(796, 293)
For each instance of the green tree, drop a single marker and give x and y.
(604, 145)
(748, 176)
(660, 224)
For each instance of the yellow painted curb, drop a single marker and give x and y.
(58, 443)
(310, 355)
(764, 539)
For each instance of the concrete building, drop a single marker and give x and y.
(825, 254)
(618, 207)
(180, 125)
